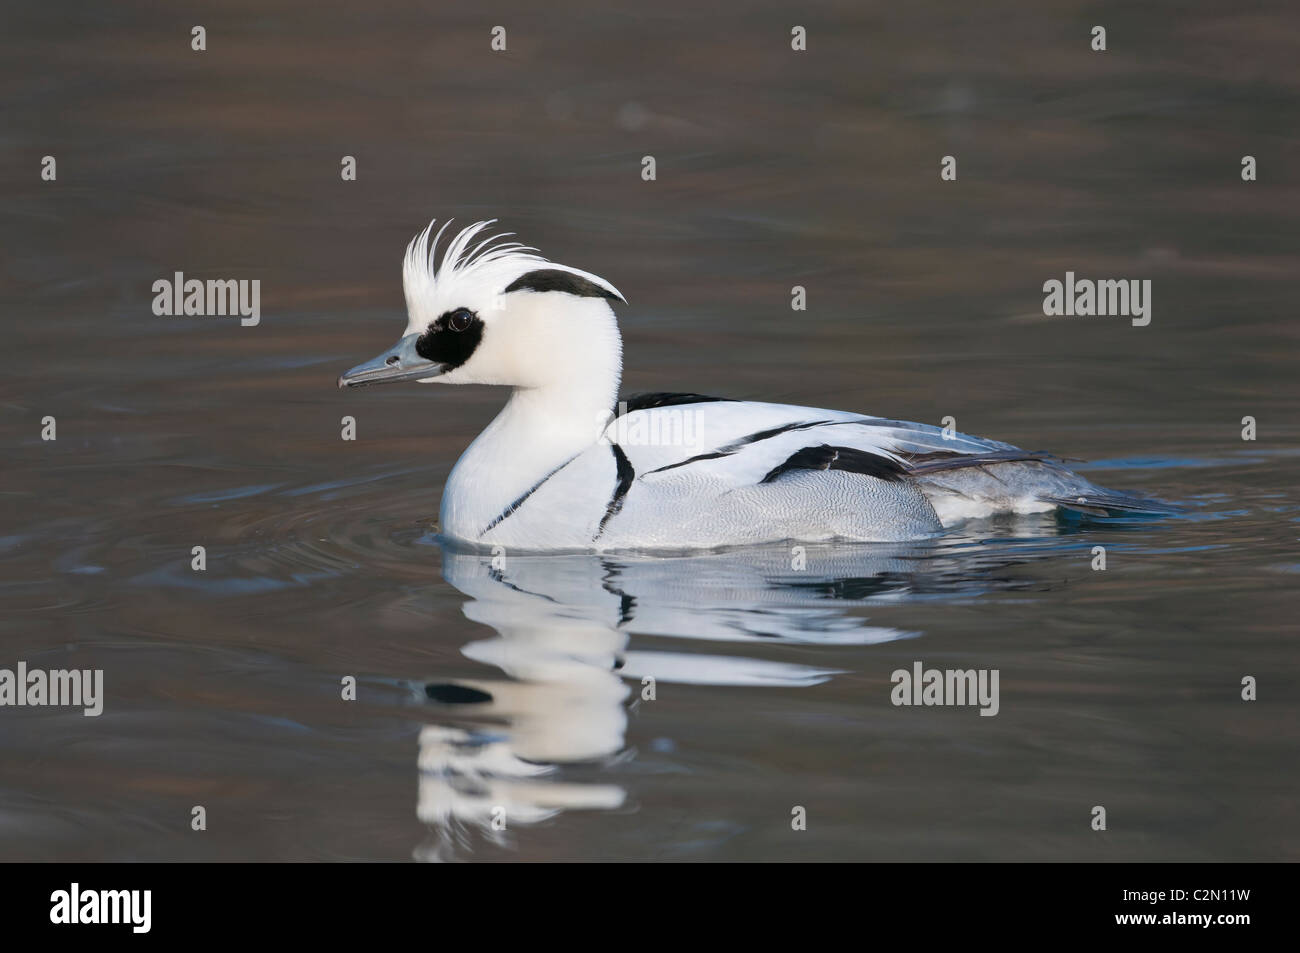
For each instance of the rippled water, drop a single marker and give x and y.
(521, 686)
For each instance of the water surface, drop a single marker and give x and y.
(521, 687)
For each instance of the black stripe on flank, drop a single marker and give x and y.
(635, 402)
(701, 456)
(626, 474)
(510, 510)
(555, 279)
(839, 458)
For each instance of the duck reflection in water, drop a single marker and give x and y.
(563, 623)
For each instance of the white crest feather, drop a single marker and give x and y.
(468, 274)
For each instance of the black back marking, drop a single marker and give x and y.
(698, 456)
(777, 431)
(449, 348)
(752, 438)
(555, 279)
(825, 457)
(625, 474)
(635, 402)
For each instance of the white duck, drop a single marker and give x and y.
(563, 467)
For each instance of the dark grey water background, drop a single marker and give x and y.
(1119, 688)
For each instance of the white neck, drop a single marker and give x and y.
(574, 361)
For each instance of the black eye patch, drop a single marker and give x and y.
(451, 339)
(553, 279)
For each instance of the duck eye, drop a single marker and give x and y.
(460, 319)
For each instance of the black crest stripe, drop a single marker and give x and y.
(555, 279)
(625, 474)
